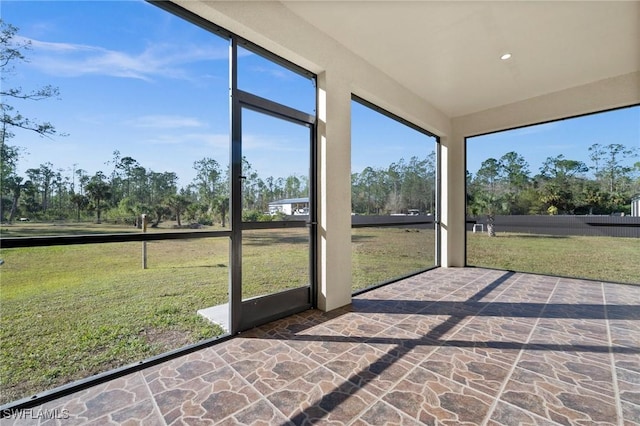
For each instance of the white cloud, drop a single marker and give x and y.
(276, 73)
(532, 130)
(165, 122)
(269, 143)
(166, 60)
(214, 140)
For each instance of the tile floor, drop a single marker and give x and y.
(450, 346)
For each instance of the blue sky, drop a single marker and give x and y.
(378, 141)
(132, 78)
(571, 138)
(136, 79)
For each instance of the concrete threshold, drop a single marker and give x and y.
(217, 314)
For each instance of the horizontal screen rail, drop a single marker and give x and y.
(63, 240)
(275, 224)
(374, 223)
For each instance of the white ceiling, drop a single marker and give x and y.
(448, 52)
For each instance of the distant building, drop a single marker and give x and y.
(290, 206)
(635, 205)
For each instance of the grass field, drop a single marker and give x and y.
(68, 312)
(71, 312)
(599, 258)
(382, 254)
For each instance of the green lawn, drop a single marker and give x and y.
(598, 258)
(68, 312)
(384, 253)
(71, 312)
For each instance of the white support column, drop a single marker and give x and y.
(334, 192)
(453, 216)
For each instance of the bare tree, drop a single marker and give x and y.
(12, 50)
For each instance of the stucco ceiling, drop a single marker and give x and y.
(448, 52)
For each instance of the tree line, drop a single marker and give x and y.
(400, 188)
(506, 186)
(130, 190)
(503, 186)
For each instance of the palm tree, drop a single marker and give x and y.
(178, 203)
(221, 205)
(14, 185)
(80, 202)
(98, 190)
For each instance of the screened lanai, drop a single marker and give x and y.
(438, 65)
(416, 344)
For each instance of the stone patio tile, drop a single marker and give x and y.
(383, 413)
(213, 396)
(478, 371)
(583, 370)
(428, 397)
(178, 371)
(373, 368)
(507, 414)
(127, 395)
(268, 372)
(557, 400)
(628, 380)
(560, 345)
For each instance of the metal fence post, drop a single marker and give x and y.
(144, 243)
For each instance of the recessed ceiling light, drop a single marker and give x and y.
(505, 56)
